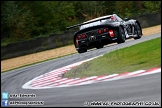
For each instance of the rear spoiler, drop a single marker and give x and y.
(67, 28)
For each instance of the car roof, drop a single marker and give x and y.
(94, 21)
(98, 18)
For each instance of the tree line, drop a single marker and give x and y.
(24, 20)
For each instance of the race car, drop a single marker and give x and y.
(105, 30)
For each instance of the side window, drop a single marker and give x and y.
(118, 18)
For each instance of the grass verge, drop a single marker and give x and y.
(141, 56)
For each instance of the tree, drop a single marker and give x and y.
(126, 8)
(140, 5)
(15, 21)
(151, 6)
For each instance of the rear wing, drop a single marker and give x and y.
(67, 28)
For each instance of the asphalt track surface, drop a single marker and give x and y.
(146, 88)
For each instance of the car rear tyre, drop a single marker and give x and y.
(121, 36)
(138, 31)
(82, 50)
(99, 46)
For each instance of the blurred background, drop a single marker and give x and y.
(24, 20)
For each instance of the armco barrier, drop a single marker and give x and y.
(36, 45)
(149, 20)
(59, 40)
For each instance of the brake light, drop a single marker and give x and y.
(79, 37)
(76, 41)
(104, 30)
(83, 36)
(111, 33)
(99, 31)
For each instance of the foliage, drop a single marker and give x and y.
(15, 22)
(23, 20)
(86, 10)
(151, 6)
(126, 8)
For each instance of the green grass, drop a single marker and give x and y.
(141, 56)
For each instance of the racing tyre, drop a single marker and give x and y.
(99, 46)
(82, 50)
(138, 31)
(121, 36)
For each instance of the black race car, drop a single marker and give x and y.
(104, 30)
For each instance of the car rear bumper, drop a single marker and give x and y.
(101, 40)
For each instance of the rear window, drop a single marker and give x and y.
(95, 23)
